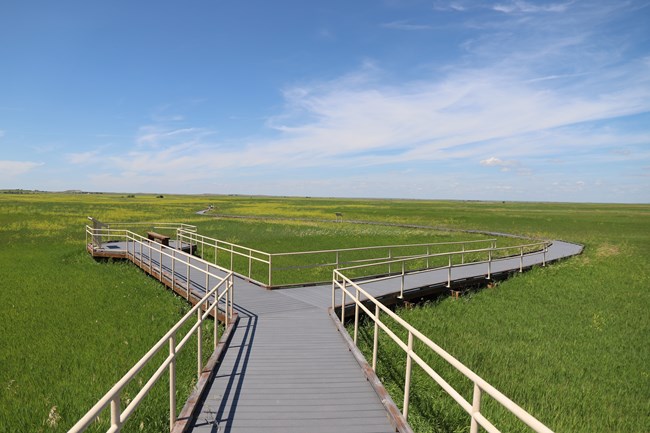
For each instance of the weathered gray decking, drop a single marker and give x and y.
(287, 368)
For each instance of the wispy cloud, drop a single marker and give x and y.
(158, 136)
(526, 7)
(11, 169)
(457, 6)
(512, 102)
(507, 7)
(496, 162)
(84, 157)
(405, 25)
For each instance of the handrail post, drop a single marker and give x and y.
(173, 267)
(232, 294)
(115, 413)
(356, 316)
(333, 292)
(207, 277)
(476, 408)
(270, 270)
(199, 337)
(428, 254)
(337, 259)
(232, 255)
(449, 273)
(544, 254)
(489, 274)
(216, 319)
(227, 308)
(521, 260)
(343, 303)
(407, 379)
(401, 289)
(375, 343)
(462, 255)
(250, 262)
(172, 382)
(390, 256)
(187, 281)
(216, 250)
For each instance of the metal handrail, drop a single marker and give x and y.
(377, 247)
(202, 309)
(231, 248)
(541, 248)
(253, 255)
(355, 292)
(157, 225)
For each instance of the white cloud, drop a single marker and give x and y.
(457, 6)
(517, 6)
(526, 96)
(353, 121)
(492, 161)
(405, 25)
(84, 157)
(11, 169)
(156, 136)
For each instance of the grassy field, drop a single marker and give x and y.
(569, 342)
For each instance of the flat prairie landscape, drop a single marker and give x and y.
(568, 342)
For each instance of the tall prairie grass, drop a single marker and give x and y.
(568, 342)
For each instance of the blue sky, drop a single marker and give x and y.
(503, 100)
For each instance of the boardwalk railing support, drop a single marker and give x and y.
(172, 381)
(355, 292)
(222, 291)
(332, 259)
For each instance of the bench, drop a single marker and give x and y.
(157, 237)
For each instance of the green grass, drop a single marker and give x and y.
(71, 326)
(568, 342)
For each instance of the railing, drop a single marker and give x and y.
(485, 256)
(97, 239)
(220, 293)
(214, 246)
(344, 257)
(246, 261)
(360, 298)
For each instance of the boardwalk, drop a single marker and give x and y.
(288, 370)
(287, 367)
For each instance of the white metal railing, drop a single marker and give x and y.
(331, 258)
(489, 256)
(220, 293)
(97, 225)
(360, 297)
(155, 225)
(97, 239)
(337, 261)
(228, 248)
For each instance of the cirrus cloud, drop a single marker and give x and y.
(11, 169)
